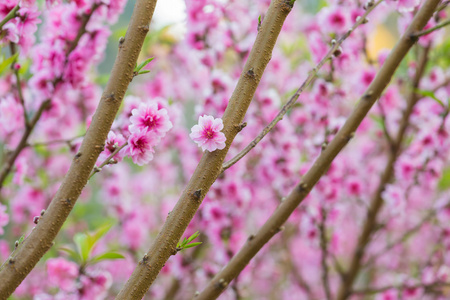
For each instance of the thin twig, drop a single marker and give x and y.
(312, 75)
(11, 15)
(401, 239)
(107, 161)
(324, 252)
(60, 141)
(430, 30)
(19, 85)
(426, 287)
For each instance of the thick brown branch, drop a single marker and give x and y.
(269, 229)
(31, 250)
(210, 165)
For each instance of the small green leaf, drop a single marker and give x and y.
(192, 245)
(81, 241)
(259, 19)
(144, 72)
(72, 253)
(21, 238)
(429, 94)
(7, 62)
(444, 182)
(106, 256)
(192, 237)
(143, 64)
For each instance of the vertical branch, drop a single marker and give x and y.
(12, 46)
(376, 204)
(31, 250)
(324, 250)
(209, 166)
(287, 207)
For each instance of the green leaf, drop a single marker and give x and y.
(106, 256)
(444, 182)
(192, 237)
(74, 254)
(7, 62)
(144, 72)
(143, 64)
(192, 245)
(81, 241)
(99, 233)
(429, 94)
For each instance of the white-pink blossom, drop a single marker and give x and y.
(207, 133)
(140, 146)
(149, 117)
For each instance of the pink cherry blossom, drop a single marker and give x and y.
(9, 33)
(140, 146)
(62, 273)
(149, 117)
(207, 133)
(113, 142)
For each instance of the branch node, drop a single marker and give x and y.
(324, 146)
(414, 37)
(281, 228)
(350, 136)
(302, 187)
(368, 95)
(145, 258)
(36, 219)
(121, 41)
(144, 28)
(222, 283)
(16, 244)
(250, 238)
(337, 52)
(78, 155)
(42, 212)
(241, 126)
(197, 194)
(111, 97)
(11, 261)
(250, 73)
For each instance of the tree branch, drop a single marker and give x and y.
(287, 207)
(41, 238)
(12, 46)
(6, 169)
(11, 15)
(312, 75)
(209, 167)
(430, 30)
(324, 254)
(370, 223)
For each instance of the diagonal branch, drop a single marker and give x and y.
(210, 165)
(370, 223)
(287, 207)
(31, 250)
(312, 75)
